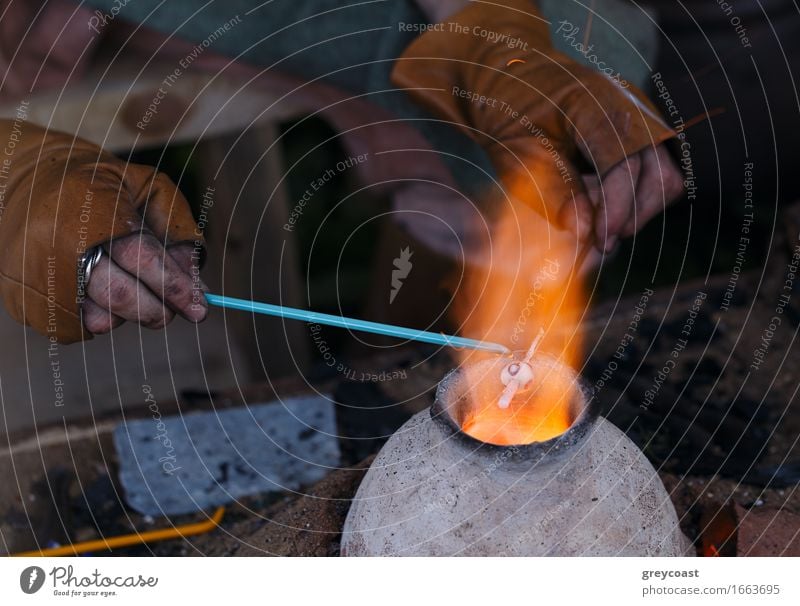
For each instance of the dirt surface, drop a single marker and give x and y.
(304, 525)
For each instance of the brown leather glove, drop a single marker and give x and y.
(493, 72)
(59, 197)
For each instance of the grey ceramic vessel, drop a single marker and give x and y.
(435, 491)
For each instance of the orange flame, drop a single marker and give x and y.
(525, 281)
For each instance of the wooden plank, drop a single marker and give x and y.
(250, 255)
(129, 107)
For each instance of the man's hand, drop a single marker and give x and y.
(540, 115)
(625, 199)
(64, 197)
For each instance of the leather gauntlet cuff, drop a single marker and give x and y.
(493, 72)
(60, 197)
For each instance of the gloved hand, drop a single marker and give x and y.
(60, 197)
(492, 71)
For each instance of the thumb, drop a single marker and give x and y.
(166, 211)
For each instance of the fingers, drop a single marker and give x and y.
(632, 193)
(144, 259)
(115, 295)
(617, 201)
(117, 292)
(184, 255)
(660, 184)
(97, 320)
(188, 259)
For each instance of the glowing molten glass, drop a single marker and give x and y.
(525, 281)
(542, 410)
